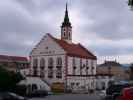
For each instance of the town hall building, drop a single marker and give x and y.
(62, 61)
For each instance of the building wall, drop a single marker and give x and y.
(118, 72)
(14, 66)
(54, 79)
(81, 83)
(47, 48)
(85, 77)
(81, 62)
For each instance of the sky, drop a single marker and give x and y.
(105, 27)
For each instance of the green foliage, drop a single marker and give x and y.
(130, 3)
(8, 80)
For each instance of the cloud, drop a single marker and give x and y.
(104, 27)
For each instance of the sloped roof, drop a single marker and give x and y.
(74, 49)
(13, 58)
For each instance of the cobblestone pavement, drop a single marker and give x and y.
(70, 97)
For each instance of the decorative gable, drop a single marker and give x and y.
(47, 46)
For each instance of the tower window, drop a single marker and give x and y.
(64, 33)
(69, 35)
(35, 65)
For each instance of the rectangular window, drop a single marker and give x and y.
(74, 66)
(92, 67)
(74, 70)
(87, 67)
(80, 66)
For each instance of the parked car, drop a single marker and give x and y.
(11, 96)
(127, 94)
(113, 91)
(39, 93)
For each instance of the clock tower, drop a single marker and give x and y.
(66, 28)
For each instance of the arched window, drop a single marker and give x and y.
(50, 62)
(42, 63)
(59, 67)
(42, 66)
(50, 67)
(59, 61)
(35, 64)
(69, 36)
(64, 34)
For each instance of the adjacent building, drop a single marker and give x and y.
(62, 61)
(113, 68)
(14, 63)
(108, 72)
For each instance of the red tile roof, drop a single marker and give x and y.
(13, 58)
(74, 49)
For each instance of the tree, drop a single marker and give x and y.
(8, 79)
(130, 3)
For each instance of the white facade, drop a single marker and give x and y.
(49, 49)
(81, 78)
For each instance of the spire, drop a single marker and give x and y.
(66, 28)
(66, 19)
(66, 6)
